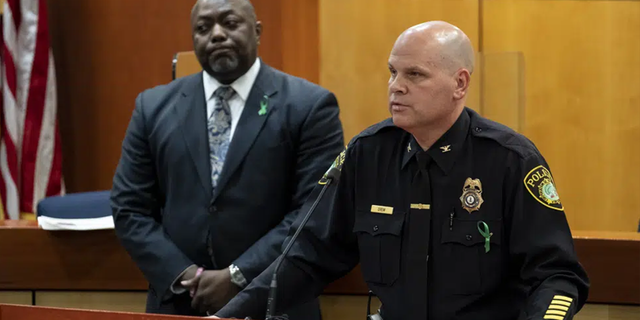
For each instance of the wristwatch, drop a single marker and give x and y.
(236, 276)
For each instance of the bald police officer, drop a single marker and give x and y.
(451, 215)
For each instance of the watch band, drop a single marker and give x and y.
(236, 276)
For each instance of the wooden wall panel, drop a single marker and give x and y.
(356, 38)
(14, 312)
(582, 99)
(93, 300)
(108, 51)
(16, 297)
(300, 50)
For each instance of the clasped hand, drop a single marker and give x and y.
(211, 290)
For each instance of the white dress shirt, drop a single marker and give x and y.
(242, 87)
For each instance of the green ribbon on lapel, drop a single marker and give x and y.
(263, 106)
(483, 228)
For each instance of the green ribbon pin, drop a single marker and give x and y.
(483, 228)
(263, 106)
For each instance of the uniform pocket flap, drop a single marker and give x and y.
(376, 224)
(466, 232)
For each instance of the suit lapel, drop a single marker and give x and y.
(191, 110)
(250, 123)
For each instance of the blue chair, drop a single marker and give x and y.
(76, 211)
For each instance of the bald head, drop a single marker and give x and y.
(451, 46)
(430, 66)
(246, 5)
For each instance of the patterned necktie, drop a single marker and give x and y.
(219, 127)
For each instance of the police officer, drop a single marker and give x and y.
(451, 215)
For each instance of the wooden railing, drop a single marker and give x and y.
(34, 259)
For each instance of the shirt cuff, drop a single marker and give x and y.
(237, 277)
(176, 287)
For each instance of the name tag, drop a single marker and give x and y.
(381, 209)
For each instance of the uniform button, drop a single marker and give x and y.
(469, 237)
(213, 209)
(478, 129)
(375, 228)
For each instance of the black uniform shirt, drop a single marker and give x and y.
(471, 229)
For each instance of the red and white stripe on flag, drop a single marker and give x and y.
(30, 151)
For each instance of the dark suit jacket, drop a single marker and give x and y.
(164, 208)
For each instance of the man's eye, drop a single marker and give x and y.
(231, 24)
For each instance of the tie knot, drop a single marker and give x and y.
(224, 93)
(423, 159)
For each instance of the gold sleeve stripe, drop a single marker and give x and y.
(552, 307)
(562, 303)
(558, 312)
(565, 298)
(553, 317)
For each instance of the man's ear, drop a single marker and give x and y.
(258, 31)
(462, 78)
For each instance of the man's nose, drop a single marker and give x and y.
(397, 85)
(218, 33)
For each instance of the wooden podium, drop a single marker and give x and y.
(16, 312)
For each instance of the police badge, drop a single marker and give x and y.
(541, 186)
(471, 195)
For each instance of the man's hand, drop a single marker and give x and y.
(214, 290)
(190, 273)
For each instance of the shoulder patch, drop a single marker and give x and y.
(337, 163)
(541, 186)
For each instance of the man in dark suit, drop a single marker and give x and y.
(215, 167)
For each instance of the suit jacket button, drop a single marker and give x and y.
(375, 228)
(469, 237)
(213, 209)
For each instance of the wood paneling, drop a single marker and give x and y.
(608, 312)
(356, 38)
(342, 307)
(108, 51)
(34, 259)
(16, 297)
(503, 99)
(613, 267)
(582, 97)
(112, 301)
(95, 261)
(14, 312)
(336, 307)
(300, 50)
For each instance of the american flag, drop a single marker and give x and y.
(30, 151)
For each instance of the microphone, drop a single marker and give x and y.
(330, 176)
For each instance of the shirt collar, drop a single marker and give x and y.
(446, 149)
(242, 86)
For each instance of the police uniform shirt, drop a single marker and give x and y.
(471, 229)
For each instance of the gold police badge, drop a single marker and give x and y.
(540, 185)
(471, 195)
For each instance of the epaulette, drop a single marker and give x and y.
(373, 129)
(508, 138)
